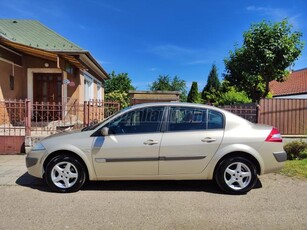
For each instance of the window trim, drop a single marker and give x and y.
(164, 124)
(159, 128)
(89, 87)
(167, 121)
(99, 91)
(223, 119)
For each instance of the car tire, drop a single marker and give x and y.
(236, 175)
(65, 174)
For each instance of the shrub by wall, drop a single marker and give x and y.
(296, 150)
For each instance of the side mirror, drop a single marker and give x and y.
(105, 131)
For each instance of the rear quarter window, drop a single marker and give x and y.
(215, 120)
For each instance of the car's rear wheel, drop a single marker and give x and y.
(236, 175)
(65, 173)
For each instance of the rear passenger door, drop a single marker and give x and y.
(192, 137)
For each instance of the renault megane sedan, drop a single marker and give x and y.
(161, 141)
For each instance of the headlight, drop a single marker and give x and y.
(38, 147)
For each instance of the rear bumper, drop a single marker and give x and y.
(280, 156)
(273, 157)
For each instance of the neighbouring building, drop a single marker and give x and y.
(295, 87)
(45, 80)
(38, 64)
(138, 97)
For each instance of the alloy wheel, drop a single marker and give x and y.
(64, 175)
(237, 175)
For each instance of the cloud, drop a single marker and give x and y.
(22, 9)
(18, 7)
(153, 69)
(183, 56)
(82, 27)
(171, 52)
(199, 62)
(277, 14)
(104, 62)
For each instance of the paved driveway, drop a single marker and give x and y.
(279, 202)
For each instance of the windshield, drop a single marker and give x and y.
(94, 126)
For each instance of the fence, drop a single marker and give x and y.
(288, 115)
(20, 118)
(49, 118)
(247, 111)
(12, 118)
(12, 126)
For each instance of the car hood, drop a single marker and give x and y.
(61, 134)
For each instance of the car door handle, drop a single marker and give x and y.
(208, 140)
(150, 142)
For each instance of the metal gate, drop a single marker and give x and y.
(12, 126)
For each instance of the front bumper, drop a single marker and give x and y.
(34, 163)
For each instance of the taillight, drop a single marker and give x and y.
(274, 136)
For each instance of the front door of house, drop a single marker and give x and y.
(47, 87)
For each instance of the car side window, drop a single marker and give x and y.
(215, 120)
(189, 119)
(186, 118)
(143, 120)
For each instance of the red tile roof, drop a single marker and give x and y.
(295, 84)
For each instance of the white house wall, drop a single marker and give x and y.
(299, 96)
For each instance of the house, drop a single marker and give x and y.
(295, 87)
(45, 80)
(38, 64)
(137, 97)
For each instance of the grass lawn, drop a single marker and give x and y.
(295, 168)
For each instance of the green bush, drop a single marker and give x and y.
(296, 150)
(303, 155)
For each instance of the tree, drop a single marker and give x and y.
(165, 83)
(211, 90)
(117, 88)
(118, 96)
(268, 50)
(120, 82)
(193, 95)
(230, 96)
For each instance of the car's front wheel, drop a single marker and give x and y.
(236, 175)
(65, 173)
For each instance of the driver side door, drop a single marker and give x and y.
(132, 147)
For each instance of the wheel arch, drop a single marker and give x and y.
(239, 154)
(69, 153)
(242, 150)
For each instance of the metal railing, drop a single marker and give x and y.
(24, 118)
(12, 118)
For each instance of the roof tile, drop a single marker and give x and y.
(33, 33)
(295, 84)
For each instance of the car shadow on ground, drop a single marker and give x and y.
(208, 186)
(26, 180)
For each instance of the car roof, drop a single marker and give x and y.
(230, 115)
(186, 104)
(183, 104)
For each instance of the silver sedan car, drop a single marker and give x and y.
(161, 141)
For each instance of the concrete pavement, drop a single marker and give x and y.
(13, 171)
(279, 203)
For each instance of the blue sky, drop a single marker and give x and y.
(148, 38)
